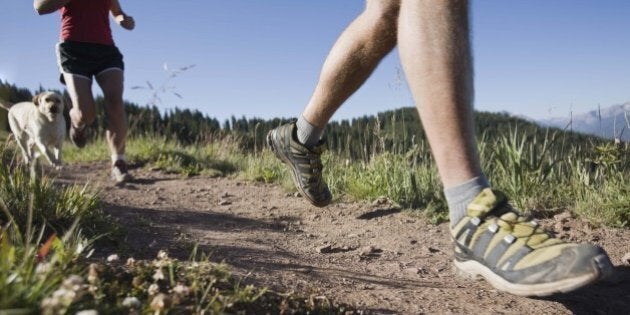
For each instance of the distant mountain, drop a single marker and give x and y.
(607, 122)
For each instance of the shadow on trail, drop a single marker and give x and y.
(378, 213)
(150, 230)
(279, 260)
(150, 181)
(611, 296)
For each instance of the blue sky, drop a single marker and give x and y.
(262, 58)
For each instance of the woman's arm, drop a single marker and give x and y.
(48, 6)
(124, 20)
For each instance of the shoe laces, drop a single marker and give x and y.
(520, 226)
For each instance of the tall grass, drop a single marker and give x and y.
(40, 235)
(541, 173)
(159, 153)
(545, 173)
(48, 233)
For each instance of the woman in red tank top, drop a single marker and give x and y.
(86, 50)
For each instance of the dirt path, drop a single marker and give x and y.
(374, 256)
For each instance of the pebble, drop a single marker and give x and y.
(369, 251)
(413, 270)
(324, 249)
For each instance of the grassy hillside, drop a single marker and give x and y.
(47, 231)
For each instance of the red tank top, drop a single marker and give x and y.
(86, 21)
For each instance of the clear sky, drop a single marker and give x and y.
(260, 58)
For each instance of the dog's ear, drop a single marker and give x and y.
(36, 98)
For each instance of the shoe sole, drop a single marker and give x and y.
(475, 270)
(121, 180)
(79, 142)
(294, 172)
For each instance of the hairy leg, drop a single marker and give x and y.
(353, 58)
(435, 52)
(111, 82)
(83, 110)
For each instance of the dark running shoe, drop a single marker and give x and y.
(306, 164)
(78, 136)
(120, 173)
(514, 254)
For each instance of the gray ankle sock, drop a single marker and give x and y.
(460, 196)
(308, 134)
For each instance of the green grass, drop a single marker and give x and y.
(545, 174)
(34, 212)
(48, 233)
(161, 154)
(538, 173)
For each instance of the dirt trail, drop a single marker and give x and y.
(373, 256)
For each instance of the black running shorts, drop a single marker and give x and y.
(87, 59)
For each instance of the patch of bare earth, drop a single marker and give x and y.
(370, 255)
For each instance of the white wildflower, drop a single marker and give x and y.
(162, 254)
(160, 302)
(71, 290)
(74, 283)
(112, 258)
(131, 262)
(92, 273)
(43, 267)
(64, 296)
(181, 290)
(158, 275)
(87, 312)
(153, 289)
(131, 302)
(49, 303)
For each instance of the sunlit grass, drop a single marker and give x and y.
(48, 233)
(41, 237)
(539, 174)
(162, 154)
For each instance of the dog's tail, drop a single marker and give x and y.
(4, 104)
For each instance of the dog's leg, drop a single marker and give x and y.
(58, 164)
(20, 136)
(24, 147)
(47, 153)
(32, 153)
(57, 155)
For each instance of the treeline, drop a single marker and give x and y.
(398, 130)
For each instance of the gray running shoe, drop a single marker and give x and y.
(306, 164)
(120, 173)
(514, 254)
